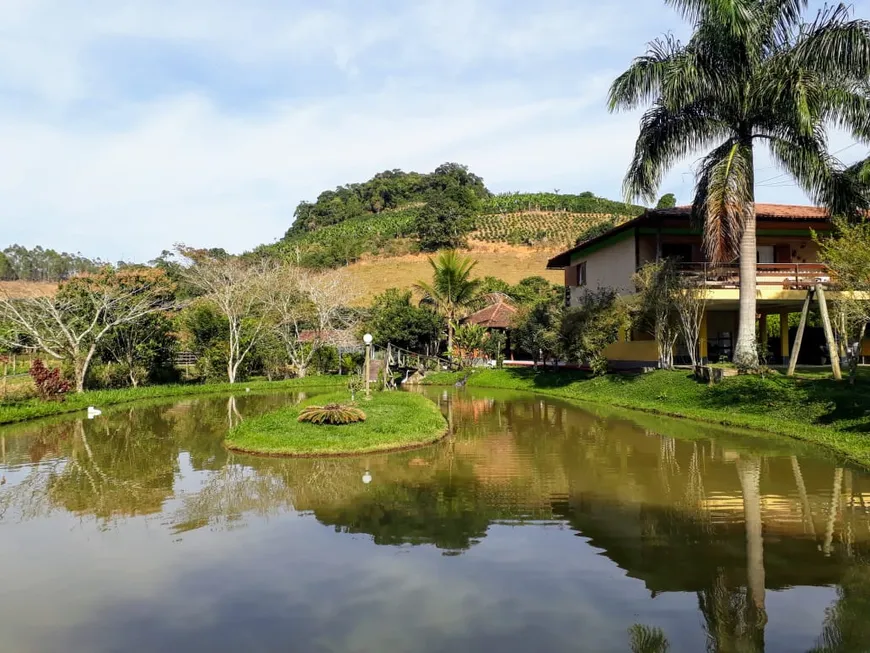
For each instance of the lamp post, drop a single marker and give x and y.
(367, 338)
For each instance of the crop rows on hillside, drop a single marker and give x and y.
(556, 228)
(585, 203)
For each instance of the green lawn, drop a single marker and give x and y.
(818, 409)
(18, 411)
(394, 420)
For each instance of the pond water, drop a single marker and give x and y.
(536, 526)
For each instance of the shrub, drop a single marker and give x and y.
(334, 414)
(49, 383)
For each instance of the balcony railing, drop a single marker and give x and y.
(784, 275)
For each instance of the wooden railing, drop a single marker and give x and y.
(785, 275)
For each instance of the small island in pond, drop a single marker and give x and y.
(393, 420)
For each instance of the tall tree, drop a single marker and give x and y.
(452, 290)
(752, 73)
(240, 292)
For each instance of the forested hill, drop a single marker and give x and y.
(390, 189)
(397, 213)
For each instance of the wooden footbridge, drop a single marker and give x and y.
(395, 361)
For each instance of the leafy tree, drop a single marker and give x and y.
(443, 223)
(394, 318)
(667, 201)
(537, 329)
(490, 285)
(144, 349)
(588, 328)
(752, 72)
(847, 255)
(452, 290)
(658, 282)
(534, 289)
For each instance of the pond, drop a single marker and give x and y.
(537, 526)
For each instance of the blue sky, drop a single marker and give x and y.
(138, 124)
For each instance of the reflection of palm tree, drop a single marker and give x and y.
(646, 639)
(802, 492)
(749, 470)
(832, 511)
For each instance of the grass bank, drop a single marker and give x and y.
(830, 413)
(19, 411)
(394, 420)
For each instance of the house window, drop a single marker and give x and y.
(765, 254)
(581, 274)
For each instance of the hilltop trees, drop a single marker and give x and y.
(387, 190)
(752, 73)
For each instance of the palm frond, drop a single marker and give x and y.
(781, 20)
(665, 137)
(724, 198)
(737, 17)
(835, 44)
(642, 82)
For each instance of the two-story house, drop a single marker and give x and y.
(787, 263)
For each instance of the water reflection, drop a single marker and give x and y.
(725, 518)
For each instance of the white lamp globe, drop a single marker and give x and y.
(367, 338)
(367, 478)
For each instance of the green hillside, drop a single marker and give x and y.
(386, 215)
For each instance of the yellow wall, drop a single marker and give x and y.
(637, 350)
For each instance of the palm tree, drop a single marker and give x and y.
(452, 289)
(752, 73)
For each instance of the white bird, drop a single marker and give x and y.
(247, 389)
(93, 412)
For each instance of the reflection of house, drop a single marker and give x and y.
(497, 315)
(787, 264)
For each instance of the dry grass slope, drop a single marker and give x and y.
(507, 262)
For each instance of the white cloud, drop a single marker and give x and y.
(94, 159)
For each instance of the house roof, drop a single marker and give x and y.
(497, 315)
(763, 212)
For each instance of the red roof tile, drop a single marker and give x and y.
(496, 316)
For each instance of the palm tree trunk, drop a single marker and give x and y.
(745, 351)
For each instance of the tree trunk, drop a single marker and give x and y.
(450, 339)
(746, 351)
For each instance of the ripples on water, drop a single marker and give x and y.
(537, 526)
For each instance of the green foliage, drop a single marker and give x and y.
(144, 351)
(847, 254)
(345, 242)
(646, 639)
(494, 346)
(536, 330)
(588, 328)
(333, 414)
(452, 289)
(390, 189)
(469, 340)
(206, 334)
(394, 318)
(443, 223)
(667, 201)
(586, 203)
(38, 264)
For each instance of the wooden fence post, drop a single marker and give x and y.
(829, 333)
(796, 348)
